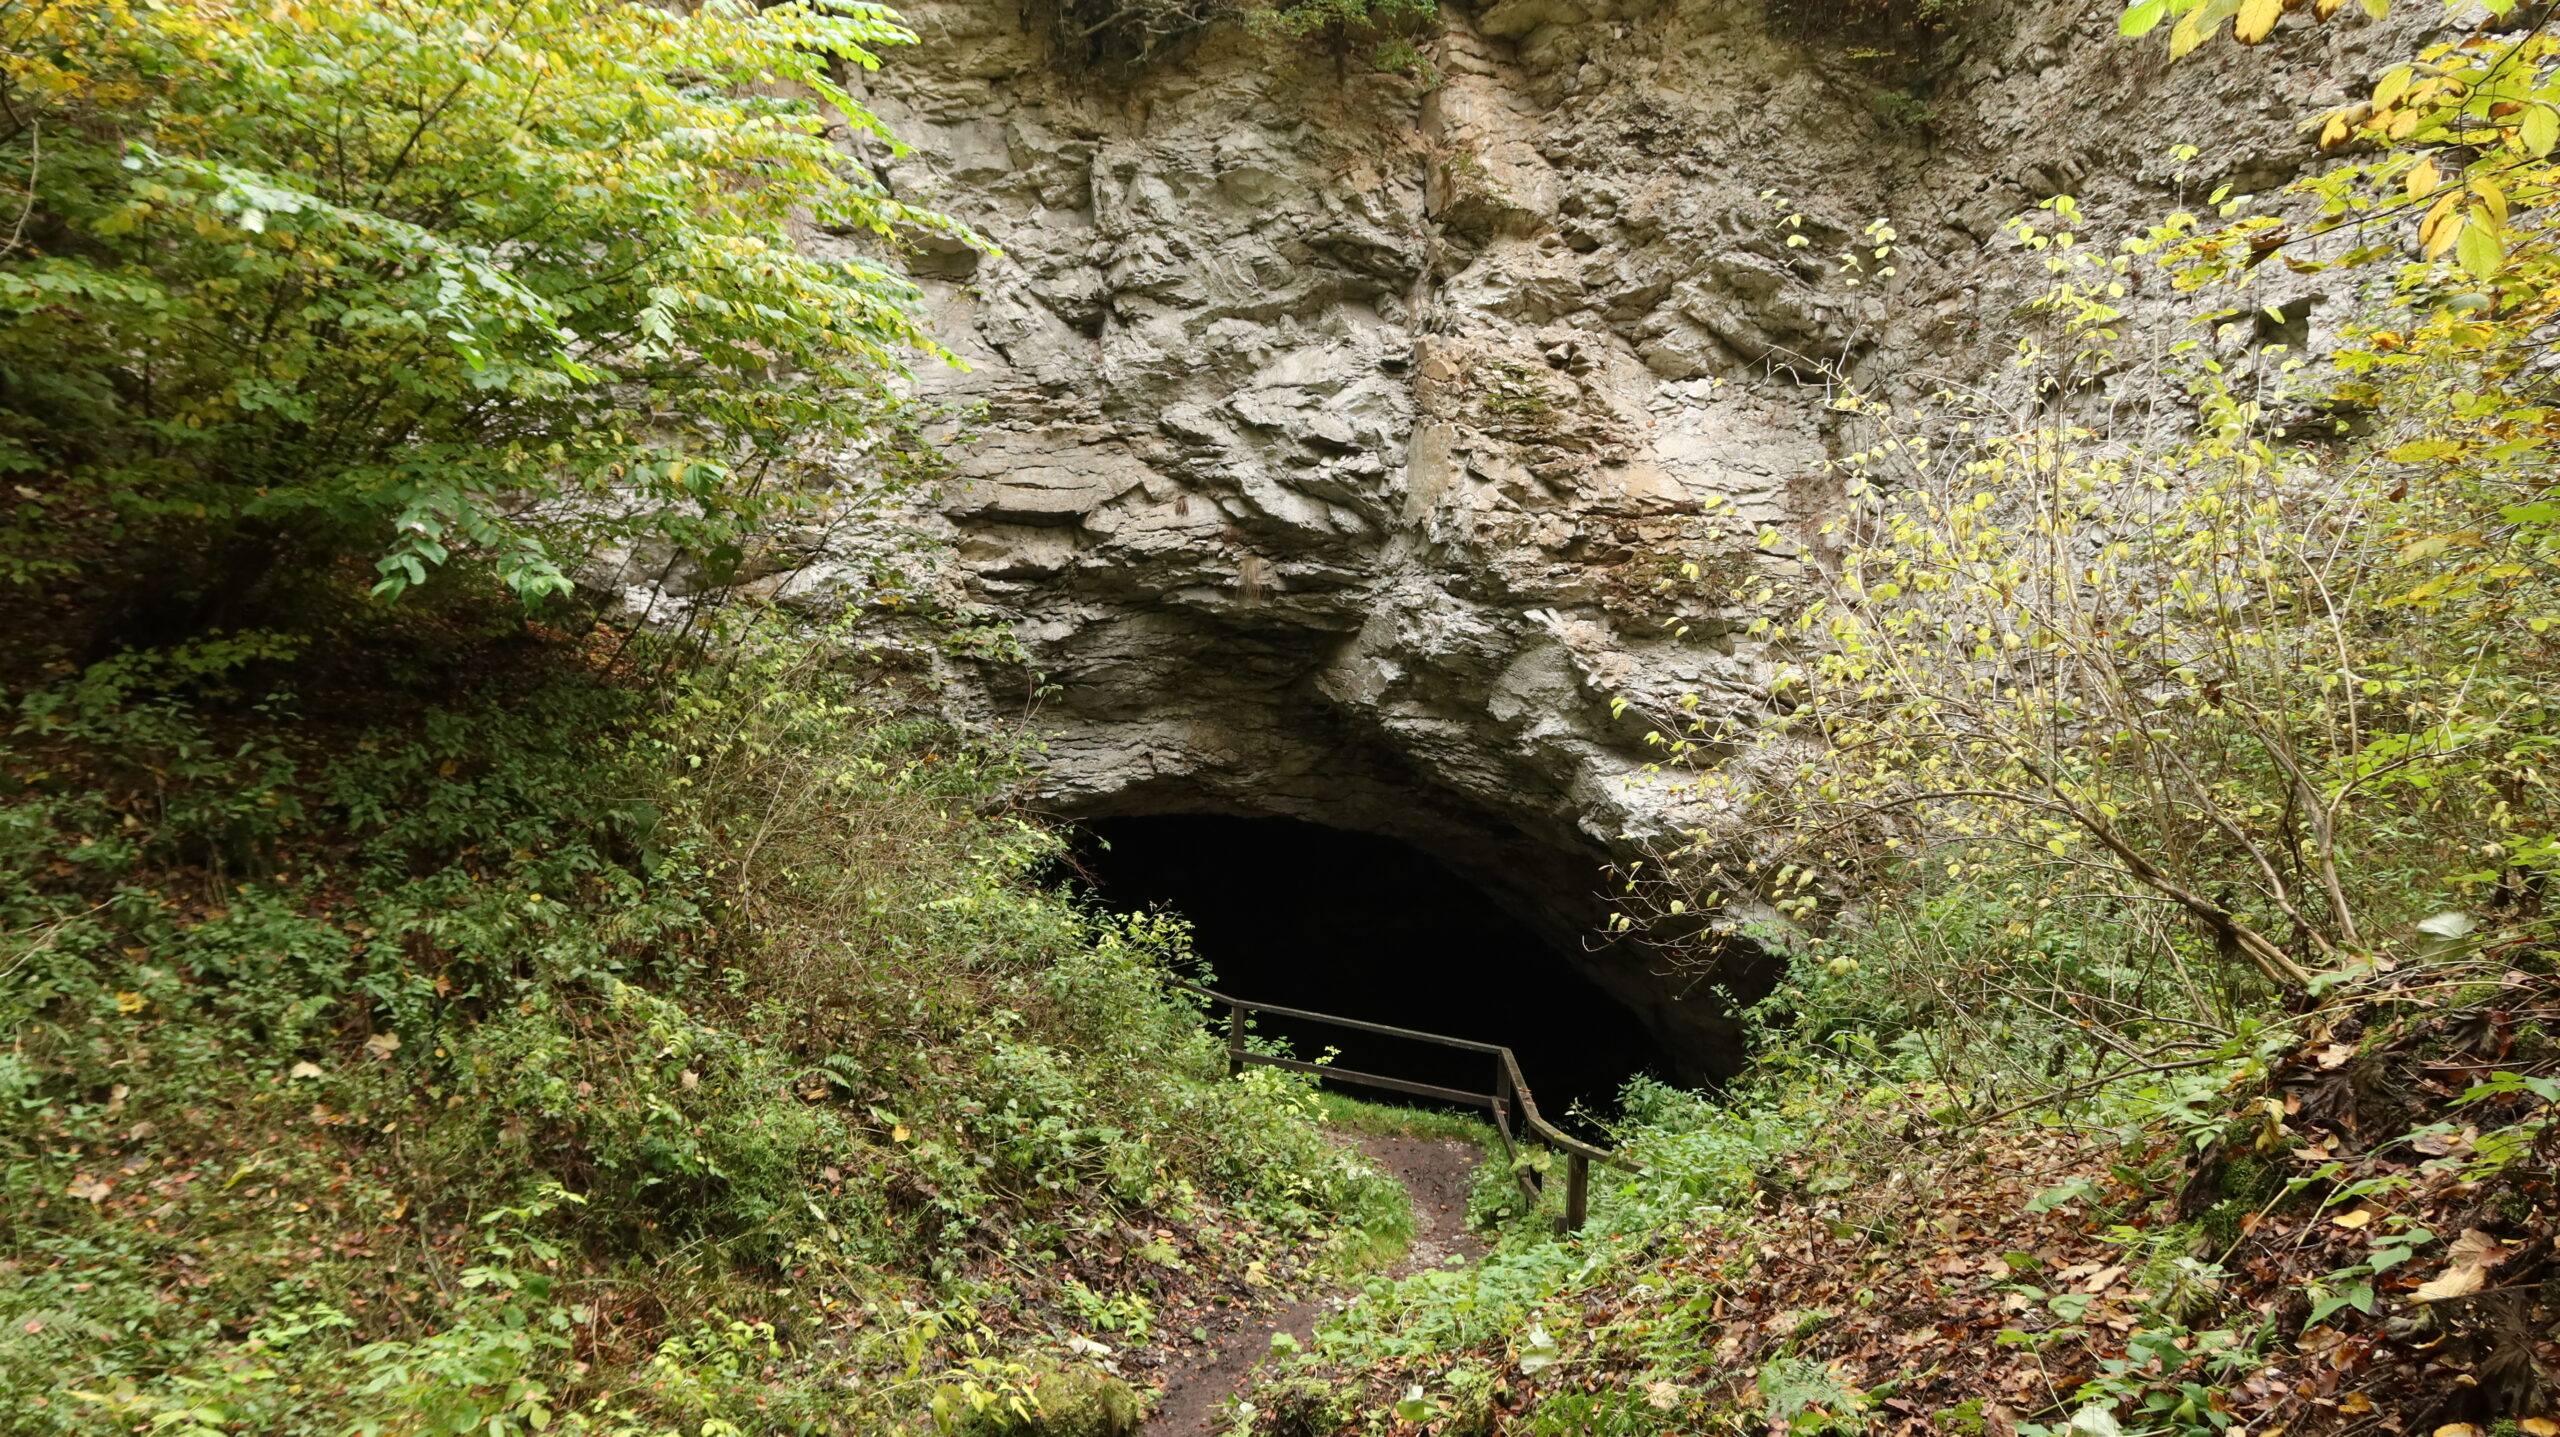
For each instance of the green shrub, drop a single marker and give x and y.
(341, 280)
(577, 1049)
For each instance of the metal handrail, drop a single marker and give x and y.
(1508, 1085)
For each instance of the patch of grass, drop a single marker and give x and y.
(1395, 1120)
(1377, 1226)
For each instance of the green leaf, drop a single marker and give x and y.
(2141, 18)
(2539, 129)
(2479, 250)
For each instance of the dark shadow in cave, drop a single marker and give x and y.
(1367, 927)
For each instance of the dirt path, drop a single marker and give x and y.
(1436, 1174)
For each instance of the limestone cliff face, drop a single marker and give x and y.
(1337, 430)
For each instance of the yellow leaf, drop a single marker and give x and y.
(2446, 231)
(2189, 33)
(2257, 18)
(2538, 1427)
(2491, 196)
(899, 1134)
(2334, 132)
(2323, 9)
(2424, 179)
(2355, 1219)
(129, 1002)
(2393, 86)
(2457, 1429)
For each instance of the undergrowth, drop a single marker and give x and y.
(610, 1039)
(2345, 1220)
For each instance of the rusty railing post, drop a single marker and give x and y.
(1235, 1040)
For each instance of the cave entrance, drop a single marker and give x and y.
(1367, 927)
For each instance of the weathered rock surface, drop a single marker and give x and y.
(1337, 431)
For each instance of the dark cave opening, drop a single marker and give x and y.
(1367, 927)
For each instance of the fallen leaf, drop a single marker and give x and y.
(1662, 1396)
(2355, 1219)
(2335, 1055)
(2451, 1283)
(2457, 1429)
(92, 1189)
(2094, 1421)
(2478, 1249)
(690, 1080)
(2355, 1402)
(2467, 1266)
(2103, 1278)
(2445, 1145)
(382, 1045)
(304, 1070)
(2538, 1427)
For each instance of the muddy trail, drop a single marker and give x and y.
(1436, 1173)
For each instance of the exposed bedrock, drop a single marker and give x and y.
(1337, 431)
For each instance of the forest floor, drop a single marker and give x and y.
(1436, 1173)
(2359, 1237)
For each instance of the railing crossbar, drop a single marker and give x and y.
(1374, 1080)
(1355, 1024)
(1508, 1089)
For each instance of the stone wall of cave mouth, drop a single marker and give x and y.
(1331, 436)
(1370, 927)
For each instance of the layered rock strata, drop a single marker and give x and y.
(1335, 432)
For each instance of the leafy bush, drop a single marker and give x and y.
(392, 282)
(584, 1049)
